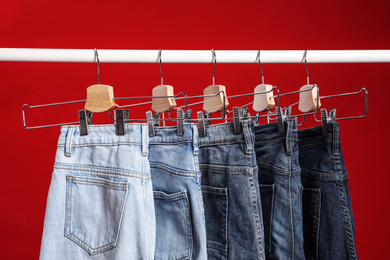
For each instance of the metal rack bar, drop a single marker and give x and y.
(193, 56)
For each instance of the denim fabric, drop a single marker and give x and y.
(231, 193)
(100, 201)
(329, 226)
(174, 166)
(281, 190)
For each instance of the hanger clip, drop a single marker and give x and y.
(206, 116)
(188, 115)
(332, 114)
(244, 112)
(256, 119)
(121, 117)
(151, 120)
(180, 119)
(280, 117)
(85, 119)
(126, 113)
(202, 126)
(287, 112)
(157, 121)
(237, 121)
(325, 119)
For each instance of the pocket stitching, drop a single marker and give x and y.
(68, 219)
(181, 195)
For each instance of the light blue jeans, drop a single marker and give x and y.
(174, 166)
(100, 201)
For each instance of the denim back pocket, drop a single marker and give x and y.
(267, 204)
(311, 205)
(94, 209)
(215, 202)
(173, 221)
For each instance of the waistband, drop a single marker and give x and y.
(166, 135)
(223, 134)
(313, 136)
(269, 133)
(101, 134)
(135, 134)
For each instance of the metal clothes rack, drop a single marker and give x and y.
(193, 56)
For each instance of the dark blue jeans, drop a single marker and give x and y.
(281, 190)
(329, 226)
(234, 227)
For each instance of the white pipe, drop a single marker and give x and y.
(193, 56)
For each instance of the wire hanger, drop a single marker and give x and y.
(308, 100)
(100, 98)
(214, 103)
(161, 105)
(263, 102)
(85, 117)
(325, 119)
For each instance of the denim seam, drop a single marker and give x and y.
(227, 170)
(314, 144)
(202, 144)
(170, 170)
(146, 222)
(325, 176)
(105, 144)
(347, 221)
(291, 211)
(318, 222)
(271, 218)
(190, 229)
(170, 143)
(257, 221)
(278, 170)
(265, 141)
(144, 176)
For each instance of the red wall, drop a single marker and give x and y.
(27, 156)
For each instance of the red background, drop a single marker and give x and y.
(27, 156)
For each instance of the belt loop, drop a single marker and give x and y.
(145, 139)
(335, 138)
(68, 142)
(289, 137)
(195, 138)
(249, 136)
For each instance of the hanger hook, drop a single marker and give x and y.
(98, 63)
(215, 64)
(161, 71)
(261, 69)
(307, 70)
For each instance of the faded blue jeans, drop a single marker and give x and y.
(231, 193)
(174, 165)
(100, 201)
(281, 190)
(329, 226)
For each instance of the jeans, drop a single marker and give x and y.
(329, 226)
(100, 201)
(281, 190)
(181, 230)
(231, 193)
